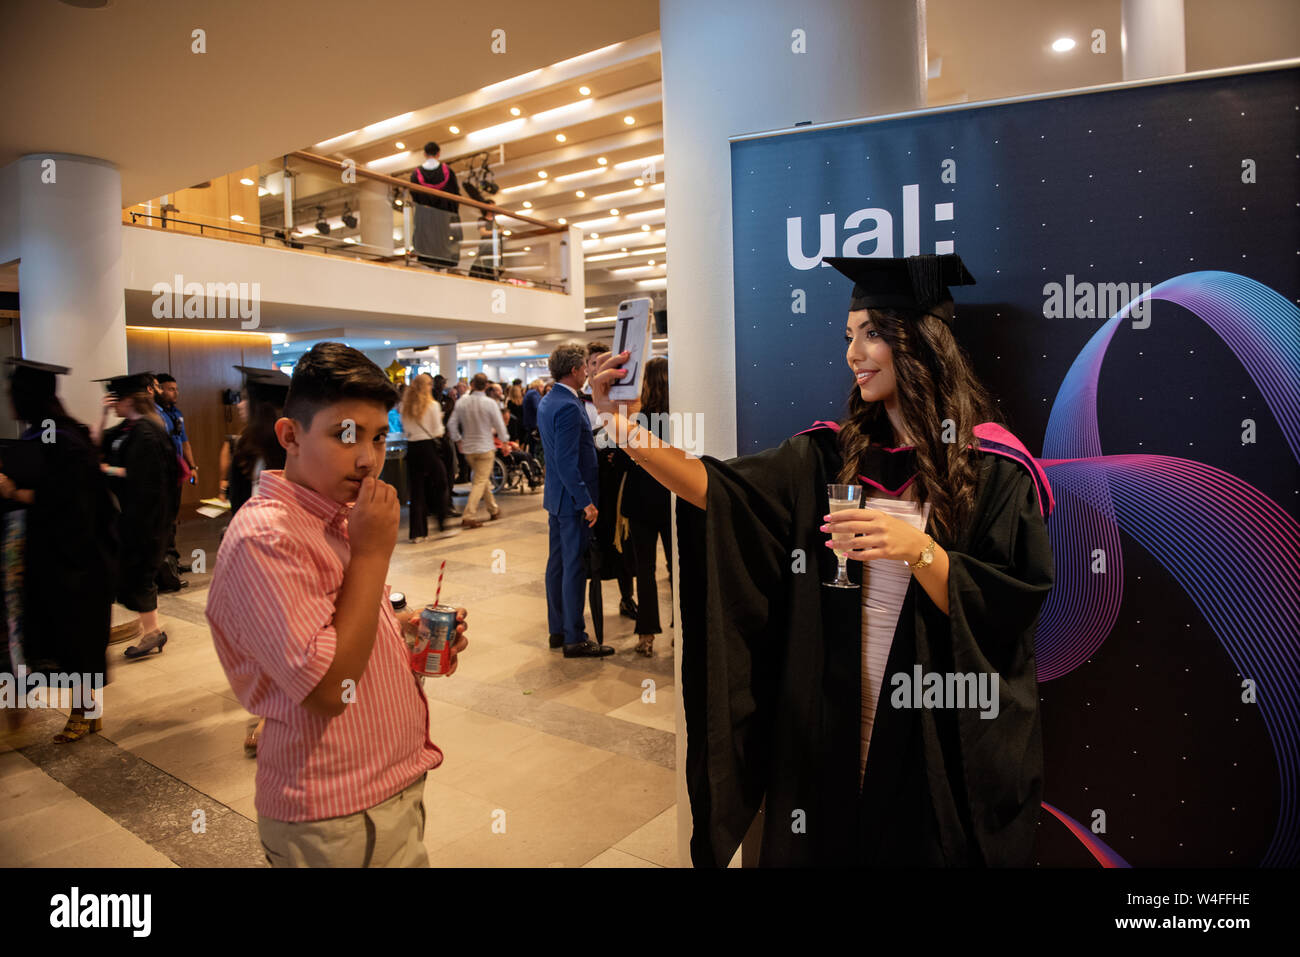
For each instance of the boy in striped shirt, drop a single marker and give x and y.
(300, 617)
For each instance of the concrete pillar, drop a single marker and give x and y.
(376, 215)
(70, 275)
(730, 67)
(447, 362)
(1153, 38)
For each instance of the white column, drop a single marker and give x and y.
(730, 68)
(1153, 38)
(447, 362)
(376, 215)
(70, 275)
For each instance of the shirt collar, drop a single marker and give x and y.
(570, 388)
(273, 485)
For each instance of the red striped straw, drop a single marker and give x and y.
(438, 593)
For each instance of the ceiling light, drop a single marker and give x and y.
(505, 232)
(237, 218)
(639, 182)
(643, 161)
(387, 342)
(560, 137)
(1063, 45)
(628, 120)
(595, 235)
(400, 145)
(547, 116)
(613, 212)
(645, 227)
(515, 111)
(495, 132)
(541, 174)
(246, 181)
(584, 90)
(563, 221)
(529, 185)
(454, 130)
(602, 161)
(580, 194)
(527, 205)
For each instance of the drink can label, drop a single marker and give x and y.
(431, 654)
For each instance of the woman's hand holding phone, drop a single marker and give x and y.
(607, 373)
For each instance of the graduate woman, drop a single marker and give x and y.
(836, 708)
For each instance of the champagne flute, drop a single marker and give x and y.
(843, 497)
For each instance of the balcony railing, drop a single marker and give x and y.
(304, 191)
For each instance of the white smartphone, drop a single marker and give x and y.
(632, 333)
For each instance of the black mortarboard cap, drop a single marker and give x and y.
(120, 385)
(908, 282)
(267, 385)
(37, 377)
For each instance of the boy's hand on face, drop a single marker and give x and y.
(372, 526)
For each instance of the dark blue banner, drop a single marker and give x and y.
(1137, 257)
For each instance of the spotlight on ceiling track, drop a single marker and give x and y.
(322, 227)
(349, 217)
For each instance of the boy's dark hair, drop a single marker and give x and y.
(331, 372)
(162, 378)
(431, 148)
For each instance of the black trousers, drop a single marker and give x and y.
(426, 478)
(643, 535)
(447, 454)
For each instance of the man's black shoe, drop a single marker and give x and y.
(627, 608)
(557, 641)
(588, 649)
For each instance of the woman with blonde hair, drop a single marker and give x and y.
(425, 473)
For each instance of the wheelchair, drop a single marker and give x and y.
(521, 476)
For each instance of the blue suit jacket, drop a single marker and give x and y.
(572, 474)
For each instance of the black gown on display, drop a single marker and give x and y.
(771, 671)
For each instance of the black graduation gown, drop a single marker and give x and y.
(149, 456)
(771, 674)
(70, 550)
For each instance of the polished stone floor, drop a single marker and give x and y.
(570, 754)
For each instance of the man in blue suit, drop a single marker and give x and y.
(570, 496)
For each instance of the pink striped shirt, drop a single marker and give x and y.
(271, 611)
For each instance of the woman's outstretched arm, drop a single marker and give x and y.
(668, 465)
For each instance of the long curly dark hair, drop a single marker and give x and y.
(937, 391)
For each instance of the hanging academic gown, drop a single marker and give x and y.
(771, 669)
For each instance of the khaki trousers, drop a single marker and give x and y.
(481, 487)
(390, 834)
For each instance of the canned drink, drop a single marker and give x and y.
(437, 633)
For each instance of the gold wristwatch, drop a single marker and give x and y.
(927, 554)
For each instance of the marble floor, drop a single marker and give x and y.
(575, 756)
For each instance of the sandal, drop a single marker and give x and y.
(645, 645)
(151, 642)
(78, 727)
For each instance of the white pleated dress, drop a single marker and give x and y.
(884, 587)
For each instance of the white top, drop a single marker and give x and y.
(473, 421)
(428, 426)
(884, 587)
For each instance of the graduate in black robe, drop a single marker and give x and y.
(70, 542)
(771, 657)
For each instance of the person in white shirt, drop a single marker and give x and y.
(426, 475)
(473, 421)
